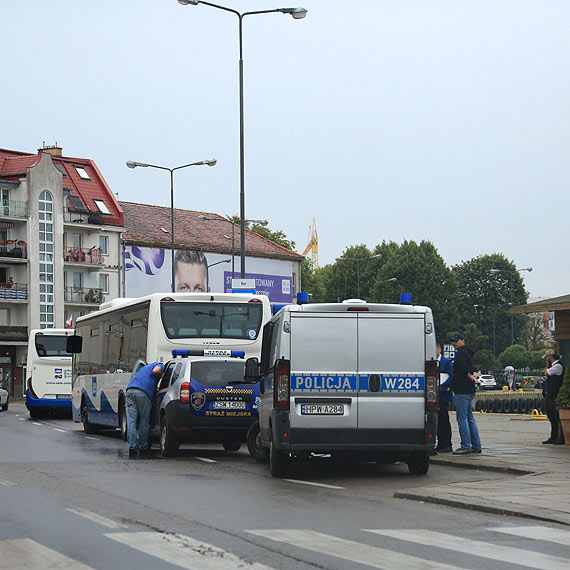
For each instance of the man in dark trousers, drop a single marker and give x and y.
(445, 397)
(463, 386)
(140, 392)
(554, 373)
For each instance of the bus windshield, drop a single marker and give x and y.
(208, 320)
(51, 345)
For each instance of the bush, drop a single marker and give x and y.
(563, 399)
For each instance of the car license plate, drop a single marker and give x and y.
(322, 409)
(223, 405)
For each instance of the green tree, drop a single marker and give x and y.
(313, 281)
(485, 297)
(352, 274)
(516, 355)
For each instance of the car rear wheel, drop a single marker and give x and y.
(231, 445)
(255, 445)
(278, 462)
(168, 442)
(418, 464)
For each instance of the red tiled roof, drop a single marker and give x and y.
(14, 165)
(144, 223)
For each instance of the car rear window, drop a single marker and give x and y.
(218, 373)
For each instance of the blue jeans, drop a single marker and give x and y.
(466, 422)
(138, 407)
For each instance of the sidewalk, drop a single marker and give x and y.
(539, 478)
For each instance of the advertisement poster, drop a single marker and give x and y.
(148, 270)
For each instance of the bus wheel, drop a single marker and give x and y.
(123, 426)
(231, 445)
(255, 445)
(88, 427)
(418, 463)
(278, 461)
(168, 442)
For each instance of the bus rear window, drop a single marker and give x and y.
(218, 373)
(51, 345)
(208, 320)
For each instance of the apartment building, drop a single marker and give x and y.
(60, 248)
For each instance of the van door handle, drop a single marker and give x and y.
(374, 382)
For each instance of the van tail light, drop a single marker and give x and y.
(282, 385)
(31, 390)
(185, 393)
(432, 384)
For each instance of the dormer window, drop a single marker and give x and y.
(82, 173)
(102, 207)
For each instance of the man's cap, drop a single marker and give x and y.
(457, 336)
(549, 352)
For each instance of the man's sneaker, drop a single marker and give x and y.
(445, 450)
(133, 452)
(476, 450)
(461, 451)
(549, 440)
(558, 442)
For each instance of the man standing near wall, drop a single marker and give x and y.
(554, 373)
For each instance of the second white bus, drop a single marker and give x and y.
(127, 333)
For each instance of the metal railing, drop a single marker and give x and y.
(13, 248)
(71, 216)
(12, 290)
(83, 295)
(15, 208)
(93, 255)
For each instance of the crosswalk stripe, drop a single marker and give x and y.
(96, 518)
(537, 533)
(350, 550)
(183, 551)
(6, 483)
(477, 548)
(29, 554)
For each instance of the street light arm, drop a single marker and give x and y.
(196, 2)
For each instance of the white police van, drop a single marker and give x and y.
(349, 378)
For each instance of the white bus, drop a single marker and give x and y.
(48, 366)
(127, 333)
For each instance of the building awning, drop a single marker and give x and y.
(561, 303)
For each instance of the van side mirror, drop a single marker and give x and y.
(252, 370)
(74, 344)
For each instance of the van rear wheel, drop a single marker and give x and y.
(418, 463)
(278, 461)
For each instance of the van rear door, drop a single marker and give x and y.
(323, 377)
(391, 377)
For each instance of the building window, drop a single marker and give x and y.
(46, 272)
(82, 173)
(104, 282)
(104, 244)
(102, 207)
(5, 318)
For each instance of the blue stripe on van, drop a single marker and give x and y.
(311, 382)
(393, 383)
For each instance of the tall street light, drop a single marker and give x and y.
(511, 273)
(297, 14)
(133, 164)
(206, 218)
(358, 260)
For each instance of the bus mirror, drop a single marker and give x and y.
(74, 344)
(252, 370)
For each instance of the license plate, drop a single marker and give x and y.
(229, 405)
(322, 409)
(63, 397)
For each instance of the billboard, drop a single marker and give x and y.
(149, 270)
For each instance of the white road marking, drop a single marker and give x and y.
(37, 423)
(61, 430)
(89, 437)
(29, 554)
(537, 533)
(183, 551)
(23, 419)
(351, 550)
(6, 484)
(313, 484)
(205, 459)
(96, 518)
(476, 548)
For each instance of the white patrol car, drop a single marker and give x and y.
(348, 378)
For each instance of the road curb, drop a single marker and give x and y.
(495, 467)
(497, 510)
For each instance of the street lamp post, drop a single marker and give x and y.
(206, 218)
(297, 14)
(511, 273)
(358, 260)
(133, 164)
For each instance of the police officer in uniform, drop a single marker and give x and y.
(554, 372)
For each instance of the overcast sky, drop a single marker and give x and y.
(385, 120)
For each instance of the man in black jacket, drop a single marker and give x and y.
(463, 388)
(554, 373)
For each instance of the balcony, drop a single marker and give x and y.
(86, 256)
(14, 249)
(12, 291)
(83, 295)
(13, 208)
(74, 217)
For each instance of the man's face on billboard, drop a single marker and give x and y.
(191, 278)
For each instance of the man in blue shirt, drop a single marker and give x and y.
(445, 397)
(140, 392)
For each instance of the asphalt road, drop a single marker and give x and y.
(68, 500)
